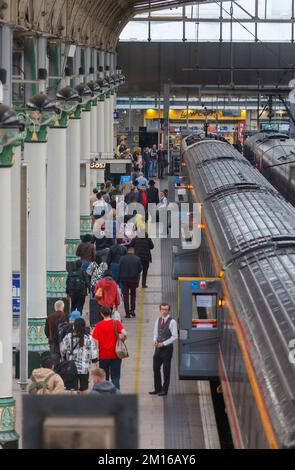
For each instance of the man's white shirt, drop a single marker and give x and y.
(172, 328)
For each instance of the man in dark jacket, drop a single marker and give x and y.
(51, 326)
(147, 161)
(77, 286)
(129, 274)
(153, 193)
(142, 248)
(101, 385)
(162, 155)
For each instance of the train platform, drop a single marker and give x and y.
(184, 419)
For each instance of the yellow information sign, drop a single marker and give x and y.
(195, 115)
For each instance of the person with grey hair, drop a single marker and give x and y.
(51, 326)
(101, 385)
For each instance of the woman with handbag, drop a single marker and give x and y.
(79, 348)
(110, 336)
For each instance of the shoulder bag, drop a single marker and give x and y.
(121, 348)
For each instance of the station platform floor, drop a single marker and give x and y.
(184, 419)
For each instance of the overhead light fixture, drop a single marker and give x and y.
(10, 133)
(85, 93)
(67, 99)
(40, 110)
(95, 87)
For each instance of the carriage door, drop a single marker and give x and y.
(200, 305)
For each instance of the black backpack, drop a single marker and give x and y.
(77, 283)
(62, 328)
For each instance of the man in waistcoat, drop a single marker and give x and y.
(165, 334)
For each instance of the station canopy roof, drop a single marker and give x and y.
(97, 23)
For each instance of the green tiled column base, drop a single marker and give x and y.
(37, 340)
(85, 224)
(8, 435)
(71, 246)
(56, 284)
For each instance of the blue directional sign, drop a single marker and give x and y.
(16, 294)
(125, 179)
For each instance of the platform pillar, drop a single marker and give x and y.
(8, 436)
(35, 154)
(93, 143)
(85, 147)
(56, 216)
(73, 190)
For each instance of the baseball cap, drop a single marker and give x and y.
(74, 315)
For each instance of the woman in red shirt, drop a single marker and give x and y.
(105, 336)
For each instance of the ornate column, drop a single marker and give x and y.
(73, 188)
(9, 134)
(15, 240)
(41, 113)
(85, 147)
(56, 211)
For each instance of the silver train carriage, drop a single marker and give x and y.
(248, 242)
(274, 155)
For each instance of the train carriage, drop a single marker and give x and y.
(248, 242)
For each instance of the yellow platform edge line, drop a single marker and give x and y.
(139, 342)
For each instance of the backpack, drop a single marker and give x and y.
(41, 387)
(77, 283)
(62, 328)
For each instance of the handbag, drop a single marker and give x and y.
(121, 348)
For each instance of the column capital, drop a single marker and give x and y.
(77, 113)
(37, 341)
(37, 135)
(7, 157)
(62, 121)
(56, 283)
(7, 421)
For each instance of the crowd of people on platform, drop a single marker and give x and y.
(151, 161)
(111, 261)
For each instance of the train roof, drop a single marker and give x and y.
(253, 231)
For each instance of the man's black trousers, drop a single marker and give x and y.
(162, 356)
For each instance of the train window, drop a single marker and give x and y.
(204, 311)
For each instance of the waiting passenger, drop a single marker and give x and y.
(106, 291)
(51, 326)
(105, 336)
(77, 286)
(142, 249)
(115, 254)
(153, 193)
(129, 274)
(99, 208)
(96, 271)
(45, 381)
(141, 180)
(79, 347)
(165, 334)
(101, 385)
(86, 251)
(93, 198)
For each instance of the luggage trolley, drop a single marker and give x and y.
(200, 306)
